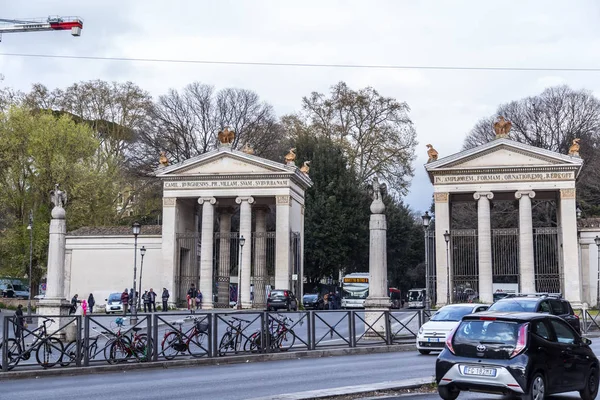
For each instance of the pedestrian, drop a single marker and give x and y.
(125, 301)
(146, 301)
(191, 296)
(152, 297)
(165, 300)
(73, 304)
(331, 301)
(91, 302)
(84, 306)
(326, 301)
(198, 300)
(19, 322)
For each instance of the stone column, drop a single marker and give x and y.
(585, 273)
(282, 243)
(246, 231)
(169, 242)
(570, 253)
(260, 258)
(442, 224)
(526, 258)
(224, 257)
(206, 251)
(484, 244)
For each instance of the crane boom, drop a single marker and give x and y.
(52, 23)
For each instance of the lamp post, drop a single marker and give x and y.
(597, 240)
(136, 228)
(447, 239)
(239, 293)
(142, 253)
(578, 212)
(30, 229)
(426, 219)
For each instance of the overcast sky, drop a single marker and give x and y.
(444, 104)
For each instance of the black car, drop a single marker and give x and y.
(282, 299)
(531, 355)
(541, 303)
(313, 301)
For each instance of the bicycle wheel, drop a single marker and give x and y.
(226, 343)
(169, 346)
(196, 344)
(49, 352)
(285, 340)
(142, 345)
(13, 353)
(70, 354)
(119, 351)
(252, 344)
(93, 350)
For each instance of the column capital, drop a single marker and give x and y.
(483, 195)
(441, 197)
(169, 201)
(521, 193)
(567, 193)
(249, 199)
(210, 200)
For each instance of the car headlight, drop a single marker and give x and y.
(420, 330)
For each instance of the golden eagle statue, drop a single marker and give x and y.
(226, 136)
(431, 153)
(502, 127)
(574, 149)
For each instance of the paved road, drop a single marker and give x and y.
(478, 396)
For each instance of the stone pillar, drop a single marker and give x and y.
(585, 272)
(484, 245)
(378, 300)
(526, 258)
(570, 253)
(246, 231)
(169, 243)
(206, 251)
(442, 224)
(55, 302)
(224, 257)
(282, 243)
(260, 258)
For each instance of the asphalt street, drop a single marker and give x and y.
(478, 396)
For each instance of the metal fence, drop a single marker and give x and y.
(464, 262)
(548, 276)
(70, 341)
(505, 255)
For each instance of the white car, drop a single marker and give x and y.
(432, 334)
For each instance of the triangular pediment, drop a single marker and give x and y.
(503, 153)
(224, 162)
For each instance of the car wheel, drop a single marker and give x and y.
(590, 391)
(537, 388)
(447, 394)
(424, 352)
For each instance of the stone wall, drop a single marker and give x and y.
(8, 302)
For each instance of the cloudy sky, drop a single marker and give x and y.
(445, 104)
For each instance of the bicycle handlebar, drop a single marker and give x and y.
(241, 320)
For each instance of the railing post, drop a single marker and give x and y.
(86, 342)
(264, 327)
(213, 333)
(585, 323)
(78, 342)
(388, 328)
(4, 344)
(308, 326)
(313, 336)
(155, 337)
(352, 328)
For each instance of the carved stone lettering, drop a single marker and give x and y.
(233, 184)
(504, 177)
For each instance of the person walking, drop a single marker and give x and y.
(73, 304)
(125, 301)
(165, 300)
(331, 301)
(152, 298)
(91, 303)
(198, 300)
(191, 297)
(146, 300)
(84, 306)
(19, 323)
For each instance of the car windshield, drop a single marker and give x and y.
(19, 288)
(487, 332)
(277, 293)
(513, 305)
(451, 313)
(357, 291)
(310, 297)
(415, 296)
(114, 297)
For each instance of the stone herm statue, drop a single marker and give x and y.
(58, 197)
(431, 153)
(163, 160)
(502, 127)
(290, 157)
(574, 149)
(226, 136)
(305, 167)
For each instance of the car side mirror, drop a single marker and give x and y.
(586, 341)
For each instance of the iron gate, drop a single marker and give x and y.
(465, 270)
(263, 267)
(548, 274)
(505, 255)
(188, 264)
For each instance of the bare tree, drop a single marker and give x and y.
(376, 132)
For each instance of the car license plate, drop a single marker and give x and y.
(434, 339)
(480, 371)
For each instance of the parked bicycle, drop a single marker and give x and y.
(70, 353)
(232, 338)
(177, 342)
(48, 349)
(122, 347)
(280, 336)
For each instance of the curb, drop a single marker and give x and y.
(73, 371)
(346, 390)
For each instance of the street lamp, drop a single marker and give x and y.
(30, 229)
(142, 253)
(578, 212)
(426, 220)
(597, 240)
(447, 239)
(136, 229)
(239, 293)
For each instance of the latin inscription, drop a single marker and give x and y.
(226, 184)
(543, 176)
